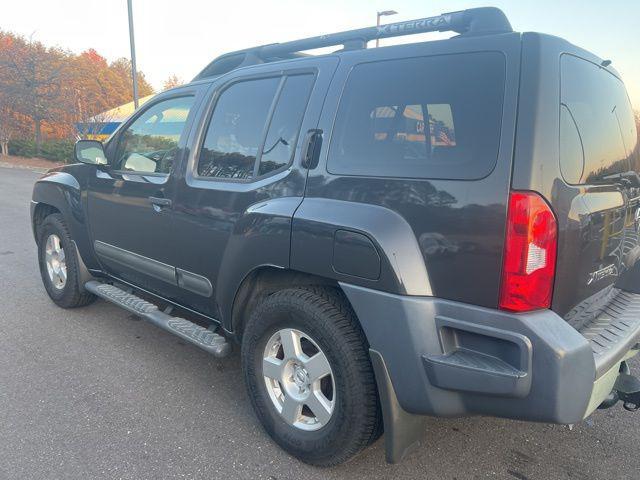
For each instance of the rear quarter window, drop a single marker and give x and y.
(425, 117)
(598, 135)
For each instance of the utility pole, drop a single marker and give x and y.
(382, 14)
(134, 71)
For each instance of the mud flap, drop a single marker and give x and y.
(403, 431)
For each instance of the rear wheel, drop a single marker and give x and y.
(309, 377)
(58, 263)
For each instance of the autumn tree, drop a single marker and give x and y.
(7, 106)
(122, 68)
(48, 91)
(34, 77)
(172, 82)
(8, 121)
(6, 126)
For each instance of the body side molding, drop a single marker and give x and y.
(148, 266)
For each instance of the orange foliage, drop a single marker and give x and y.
(172, 82)
(44, 91)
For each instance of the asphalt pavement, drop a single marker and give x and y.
(97, 393)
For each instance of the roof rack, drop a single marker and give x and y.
(474, 21)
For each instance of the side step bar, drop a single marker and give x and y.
(201, 337)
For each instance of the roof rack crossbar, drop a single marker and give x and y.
(474, 21)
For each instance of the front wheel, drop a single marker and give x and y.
(58, 263)
(309, 377)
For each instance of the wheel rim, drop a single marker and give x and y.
(299, 379)
(55, 260)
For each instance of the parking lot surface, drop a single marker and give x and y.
(97, 393)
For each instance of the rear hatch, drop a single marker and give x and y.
(598, 203)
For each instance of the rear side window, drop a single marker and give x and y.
(285, 124)
(597, 130)
(426, 117)
(254, 127)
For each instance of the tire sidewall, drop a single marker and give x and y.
(54, 225)
(332, 438)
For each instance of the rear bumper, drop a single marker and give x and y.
(449, 359)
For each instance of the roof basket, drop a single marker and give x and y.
(474, 21)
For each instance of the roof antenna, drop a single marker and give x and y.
(606, 63)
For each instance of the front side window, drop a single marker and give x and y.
(428, 117)
(254, 127)
(150, 143)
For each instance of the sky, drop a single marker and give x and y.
(181, 37)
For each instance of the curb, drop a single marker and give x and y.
(24, 167)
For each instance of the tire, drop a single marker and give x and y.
(65, 294)
(324, 322)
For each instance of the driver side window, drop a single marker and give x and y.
(150, 143)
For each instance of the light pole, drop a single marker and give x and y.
(384, 13)
(134, 72)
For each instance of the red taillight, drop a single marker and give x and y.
(529, 263)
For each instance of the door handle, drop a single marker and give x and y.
(159, 203)
(311, 148)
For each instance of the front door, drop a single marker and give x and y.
(130, 203)
(244, 177)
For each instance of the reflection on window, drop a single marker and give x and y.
(429, 117)
(571, 148)
(285, 124)
(597, 103)
(235, 138)
(236, 129)
(410, 127)
(150, 143)
(441, 125)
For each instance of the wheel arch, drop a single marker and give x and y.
(61, 192)
(40, 211)
(263, 281)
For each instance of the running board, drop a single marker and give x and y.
(201, 337)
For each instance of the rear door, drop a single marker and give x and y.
(598, 148)
(244, 177)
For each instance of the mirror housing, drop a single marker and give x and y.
(90, 152)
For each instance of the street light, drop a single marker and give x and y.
(134, 73)
(384, 13)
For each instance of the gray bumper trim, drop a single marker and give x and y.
(554, 379)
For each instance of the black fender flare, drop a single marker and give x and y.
(63, 191)
(315, 245)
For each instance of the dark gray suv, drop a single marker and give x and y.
(443, 228)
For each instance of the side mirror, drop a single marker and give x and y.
(90, 152)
